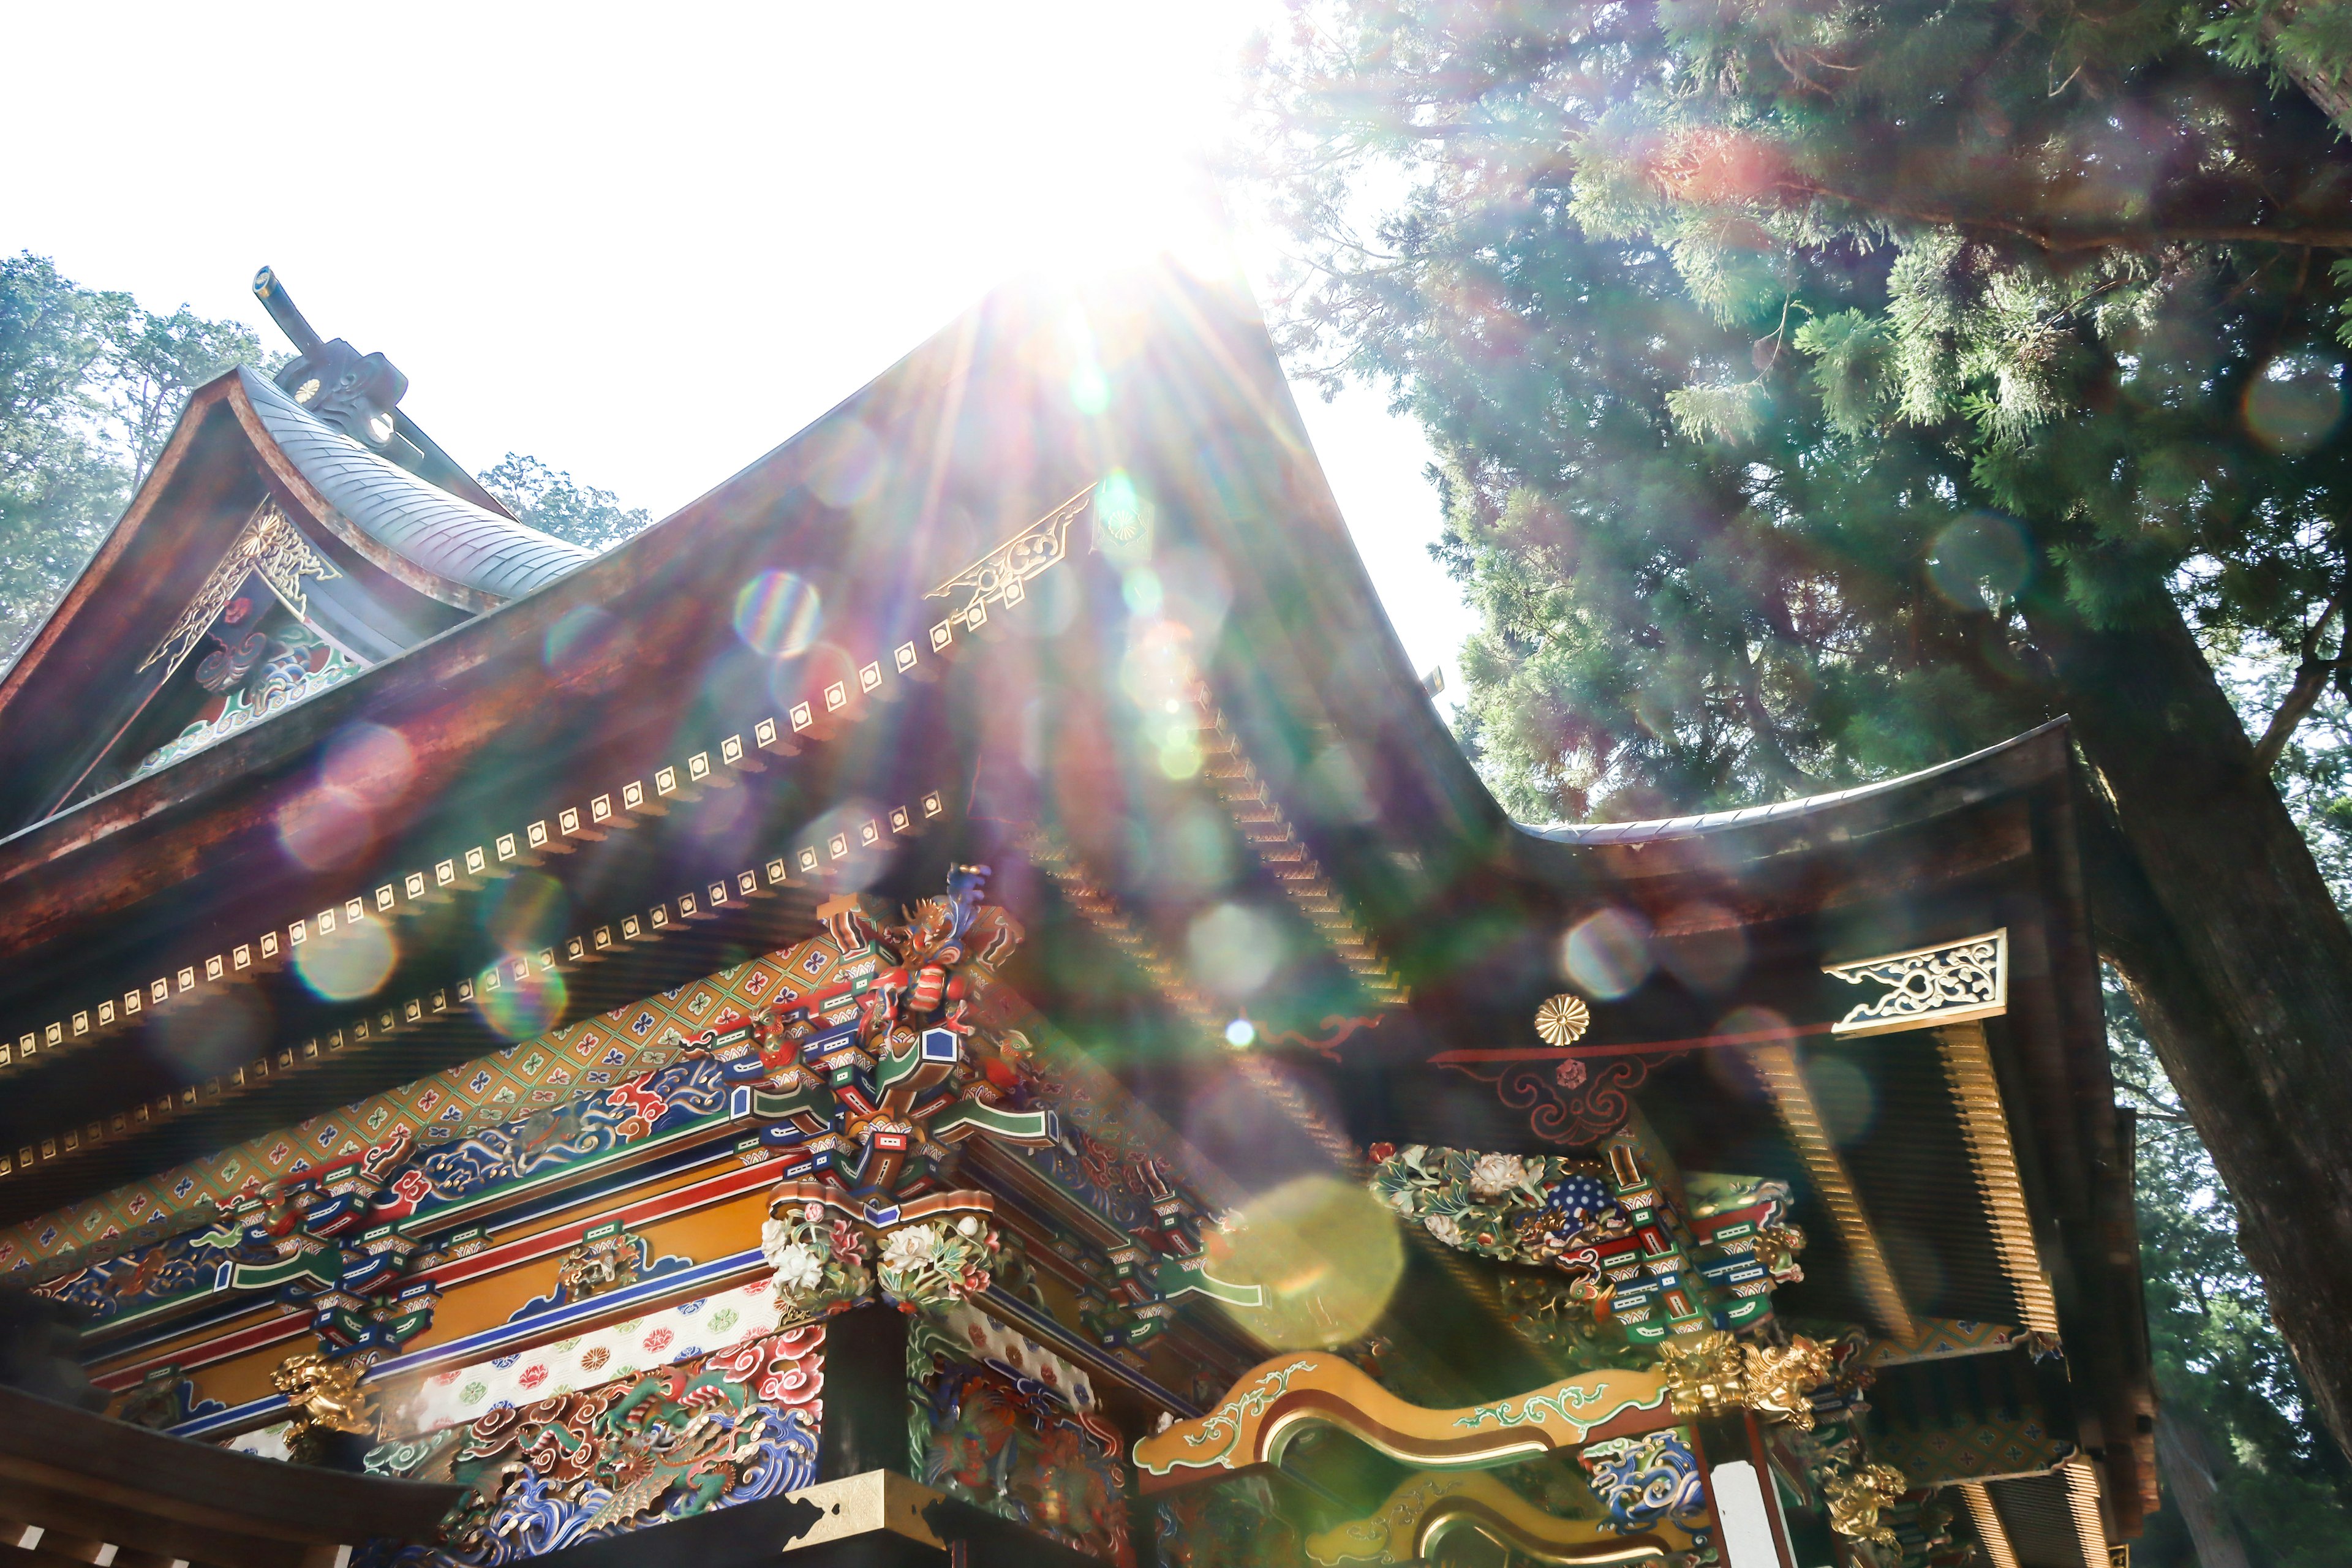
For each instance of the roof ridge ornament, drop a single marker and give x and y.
(333, 382)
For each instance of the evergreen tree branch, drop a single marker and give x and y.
(2148, 237)
(2312, 675)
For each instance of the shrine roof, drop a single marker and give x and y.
(449, 537)
(1829, 805)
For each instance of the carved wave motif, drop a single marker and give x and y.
(657, 1102)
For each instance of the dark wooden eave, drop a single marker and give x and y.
(87, 1480)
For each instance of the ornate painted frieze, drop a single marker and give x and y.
(1659, 1269)
(724, 1427)
(358, 1240)
(641, 1343)
(1950, 982)
(262, 673)
(1009, 1442)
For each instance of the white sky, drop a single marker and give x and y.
(556, 219)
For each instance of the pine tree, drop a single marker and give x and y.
(1826, 391)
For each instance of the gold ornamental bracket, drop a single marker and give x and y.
(1277, 1400)
(269, 544)
(1950, 982)
(999, 577)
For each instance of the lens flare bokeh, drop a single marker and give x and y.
(1235, 950)
(518, 1009)
(215, 1029)
(2294, 405)
(327, 828)
(585, 639)
(1980, 562)
(850, 468)
(1607, 954)
(1123, 519)
(371, 762)
(525, 911)
(1709, 950)
(349, 963)
(777, 615)
(1328, 1252)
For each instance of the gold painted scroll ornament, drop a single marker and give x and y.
(1950, 982)
(1278, 1399)
(269, 544)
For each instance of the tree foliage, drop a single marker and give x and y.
(89, 386)
(1733, 323)
(1822, 392)
(552, 501)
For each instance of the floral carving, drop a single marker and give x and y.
(1531, 1209)
(933, 1264)
(819, 1263)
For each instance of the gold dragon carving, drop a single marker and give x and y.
(1709, 1374)
(325, 1397)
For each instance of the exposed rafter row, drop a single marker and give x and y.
(2083, 1502)
(1272, 838)
(1989, 1526)
(1101, 912)
(1784, 1076)
(1967, 1066)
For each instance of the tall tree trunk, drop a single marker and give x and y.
(2324, 84)
(2214, 911)
(2189, 1468)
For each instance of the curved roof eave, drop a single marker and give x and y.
(457, 552)
(1810, 808)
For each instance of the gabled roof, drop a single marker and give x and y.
(447, 541)
(404, 560)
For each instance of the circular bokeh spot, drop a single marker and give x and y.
(1328, 1255)
(348, 963)
(777, 614)
(1235, 950)
(520, 1009)
(850, 466)
(2294, 405)
(1980, 562)
(1607, 954)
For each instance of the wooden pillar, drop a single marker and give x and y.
(864, 1394)
(1748, 1527)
